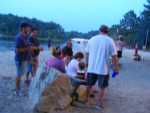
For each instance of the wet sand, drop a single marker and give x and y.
(128, 93)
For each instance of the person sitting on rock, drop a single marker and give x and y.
(73, 69)
(55, 61)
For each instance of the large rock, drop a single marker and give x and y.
(82, 92)
(55, 92)
(55, 96)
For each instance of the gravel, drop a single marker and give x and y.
(128, 93)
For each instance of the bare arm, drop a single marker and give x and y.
(86, 59)
(115, 62)
(29, 48)
(21, 50)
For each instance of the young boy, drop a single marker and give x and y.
(34, 53)
(73, 65)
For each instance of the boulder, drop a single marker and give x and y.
(54, 96)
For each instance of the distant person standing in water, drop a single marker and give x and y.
(99, 49)
(67, 53)
(22, 50)
(34, 54)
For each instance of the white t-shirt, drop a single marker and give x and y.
(120, 45)
(100, 49)
(72, 68)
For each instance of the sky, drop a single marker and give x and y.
(79, 15)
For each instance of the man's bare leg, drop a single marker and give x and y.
(35, 67)
(18, 79)
(88, 100)
(102, 96)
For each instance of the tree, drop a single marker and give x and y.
(9, 26)
(145, 23)
(129, 27)
(130, 21)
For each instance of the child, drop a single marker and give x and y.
(75, 71)
(73, 65)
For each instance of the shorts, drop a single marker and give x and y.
(119, 54)
(29, 67)
(103, 80)
(77, 82)
(21, 68)
(32, 63)
(35, 60)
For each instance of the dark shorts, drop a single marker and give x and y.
(119, 54)
(103, 80)
(30, 67)
(77, 82)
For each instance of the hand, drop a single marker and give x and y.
(114, 74)
(33, 48)
(41, 49)
(22, 50)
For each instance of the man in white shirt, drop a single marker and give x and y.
(100, 48)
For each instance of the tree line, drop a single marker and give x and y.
(135, 29)
(9, 27)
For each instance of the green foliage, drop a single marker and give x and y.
(130, 21)
(9, 26)
(134, 28)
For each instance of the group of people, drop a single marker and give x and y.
(27, 50)
(93, 69)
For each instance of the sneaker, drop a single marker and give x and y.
(18, 93)
(27, 82)
(31, 79)
(102, 105)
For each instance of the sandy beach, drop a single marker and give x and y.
(128, 93)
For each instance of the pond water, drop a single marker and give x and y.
(6, 45)
(10, 45)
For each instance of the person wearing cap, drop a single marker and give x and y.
(99, 50)
(22, 48)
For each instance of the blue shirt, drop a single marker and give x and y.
(21, 42)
